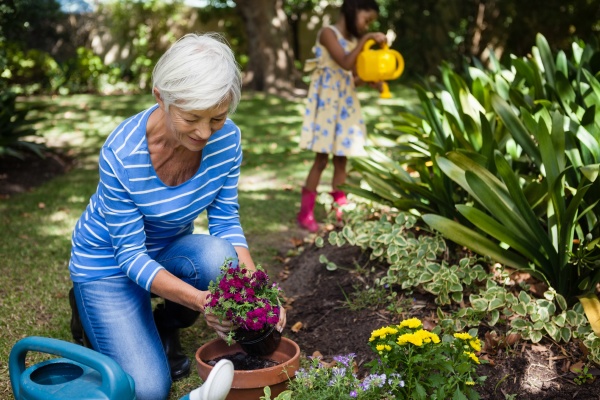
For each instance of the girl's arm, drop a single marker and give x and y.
(329, 39)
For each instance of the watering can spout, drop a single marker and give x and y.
(379, 65)
(217, 384)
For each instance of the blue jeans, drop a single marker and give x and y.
(117, 317)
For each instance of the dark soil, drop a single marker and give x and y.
(329, 328)
(317, 301)
(19, 176)
(244, 362)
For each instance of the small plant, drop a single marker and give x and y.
(583, 376)
(431, 367)
(247, 298)
(338, 381)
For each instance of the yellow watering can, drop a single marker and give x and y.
(379, 66)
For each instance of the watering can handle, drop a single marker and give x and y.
(109, 370)
(400, 63)
(370, 43)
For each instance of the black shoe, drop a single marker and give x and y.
(178, 362)
(168, 322)
(77, 331)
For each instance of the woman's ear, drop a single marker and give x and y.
(158, 98)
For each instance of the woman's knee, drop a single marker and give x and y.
(197, 259)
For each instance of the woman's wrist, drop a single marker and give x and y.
(201, 300)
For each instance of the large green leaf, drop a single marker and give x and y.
(516, 128)
(501, 207)
(546, 58)
(499, 232)
(476, 242)
(521, 203)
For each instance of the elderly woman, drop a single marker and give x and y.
(159, 170)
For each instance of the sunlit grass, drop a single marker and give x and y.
(35, 228)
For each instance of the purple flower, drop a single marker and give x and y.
(353, 394)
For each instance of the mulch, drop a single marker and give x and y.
(22, 175)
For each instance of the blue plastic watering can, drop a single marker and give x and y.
(86, 374)
(81, 373)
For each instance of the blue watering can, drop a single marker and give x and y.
(82, 373)
(87, 374)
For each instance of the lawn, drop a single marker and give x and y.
(36, 226)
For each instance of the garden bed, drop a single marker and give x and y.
(318, 300)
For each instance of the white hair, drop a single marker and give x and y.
(198, 72)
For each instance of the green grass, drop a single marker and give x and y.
(36, 226)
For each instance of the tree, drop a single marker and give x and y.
(270, 56)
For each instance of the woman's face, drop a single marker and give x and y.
(192, 129)
(364, 18)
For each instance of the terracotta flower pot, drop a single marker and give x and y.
(258, 343)
(249, 385)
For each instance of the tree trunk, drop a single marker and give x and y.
(271, 59)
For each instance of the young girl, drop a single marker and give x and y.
(333, 122)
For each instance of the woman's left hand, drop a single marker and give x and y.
(282, 319)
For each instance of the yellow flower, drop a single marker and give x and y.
(475, 344)
(412, 323)
(470, 383)
(410, 338)
(426, 336)
(381, 347)
(473, 357)
(381, 333)
(463, 336)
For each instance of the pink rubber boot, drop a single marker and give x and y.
(339, 199)
(306, 216)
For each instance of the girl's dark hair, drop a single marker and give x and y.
(351, 7)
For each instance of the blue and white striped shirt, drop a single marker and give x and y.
(133, 215)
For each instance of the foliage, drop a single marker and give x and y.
(14, 127)
(504, 162)
(413, 260)
(246, 298)
(30, 71)
(490, 297)
(543, 213)
(431, 368)
(317, 381)
(31, 23)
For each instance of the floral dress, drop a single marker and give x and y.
(333, 121)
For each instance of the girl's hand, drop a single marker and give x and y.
(378, 37)
(376, 85)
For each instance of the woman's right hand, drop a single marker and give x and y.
(221, 327)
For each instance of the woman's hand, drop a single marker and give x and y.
(282, 319)
(221, 327)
